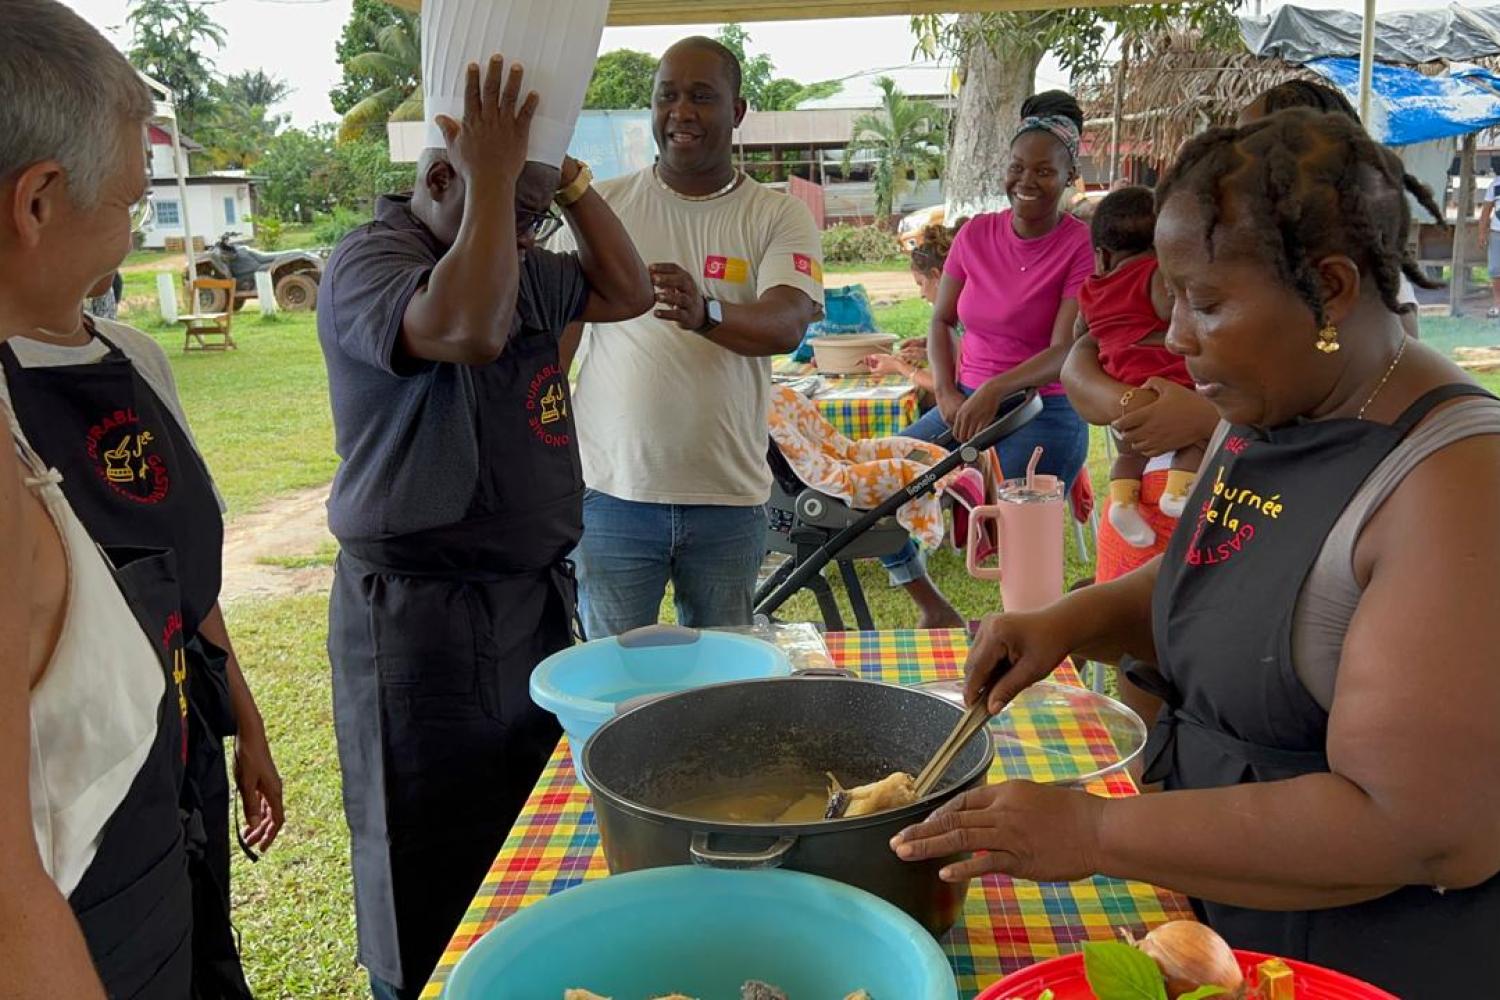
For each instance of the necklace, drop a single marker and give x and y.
(734, 182)
(1400, 353)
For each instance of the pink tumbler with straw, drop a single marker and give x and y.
(1028, 518)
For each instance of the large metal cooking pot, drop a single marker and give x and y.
(713, 739)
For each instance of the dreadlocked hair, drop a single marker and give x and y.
(934, 243)
(1307, 94)
(1305, 184)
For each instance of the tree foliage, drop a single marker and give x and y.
(623, 80)
(366, 20)
(1080, 37)
(762, 89)
(252, 87)
(239, 127)
(394, 69)
(905, 139)
(169, 40)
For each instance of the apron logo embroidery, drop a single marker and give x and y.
(179, 671)
(547, 407)
(1230, 508)
(122, 453)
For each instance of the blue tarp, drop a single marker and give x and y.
(1407, 107)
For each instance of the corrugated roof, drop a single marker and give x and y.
(638, 12)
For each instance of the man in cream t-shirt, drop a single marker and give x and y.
(672, 407)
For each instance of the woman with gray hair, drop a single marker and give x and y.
(110, 540)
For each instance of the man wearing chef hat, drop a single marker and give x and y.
(459, 495)
(673, 406)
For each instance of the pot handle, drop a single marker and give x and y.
(771, 857)
(838, 672)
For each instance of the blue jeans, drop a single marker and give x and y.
(1060, 431)
(630, 551)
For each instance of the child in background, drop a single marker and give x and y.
(1126, 308)
(910, 359)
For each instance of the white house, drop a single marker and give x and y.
(217, 203)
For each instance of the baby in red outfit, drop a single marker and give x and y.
(1126, 308)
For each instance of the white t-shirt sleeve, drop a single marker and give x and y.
(794, 253)
(1492, 195)
(1406, 292)
(151, 361)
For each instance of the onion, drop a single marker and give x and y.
(1192, 955)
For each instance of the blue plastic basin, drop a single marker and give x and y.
(584, 685)
(703, 932)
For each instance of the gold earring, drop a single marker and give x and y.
(1328, 338)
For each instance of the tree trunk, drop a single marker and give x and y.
(998, 75)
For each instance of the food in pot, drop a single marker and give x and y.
(786, 800)
(891, 792)
(799, 800)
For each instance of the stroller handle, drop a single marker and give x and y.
(1019, 409)
(1015, 411)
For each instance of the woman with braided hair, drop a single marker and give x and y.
(1326, 737)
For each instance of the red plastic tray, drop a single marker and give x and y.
(1064, 977)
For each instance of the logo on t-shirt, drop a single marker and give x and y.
(124, 455)
(547, 407)
(731, 269)
(806, 265)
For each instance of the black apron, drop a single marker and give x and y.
(134, 479)
(134, 902)
(433, 637)
(1236, 711)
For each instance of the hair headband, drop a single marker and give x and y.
(1060, 127)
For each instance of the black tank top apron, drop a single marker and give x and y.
(134, 479)
(1237, 712)
(134, 902)
(433, 636)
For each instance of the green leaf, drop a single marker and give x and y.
(1117, 971)
(1204, 992)
(1045, 995)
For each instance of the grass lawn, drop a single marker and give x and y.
(260, 413)
(894, 264)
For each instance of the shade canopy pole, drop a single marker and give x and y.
(1366, 61)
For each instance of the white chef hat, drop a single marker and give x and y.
(555, 41)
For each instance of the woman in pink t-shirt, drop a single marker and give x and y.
(1012, 281)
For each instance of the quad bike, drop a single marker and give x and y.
(294, 275)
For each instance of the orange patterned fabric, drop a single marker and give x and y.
(861, 473)
(1117, 556)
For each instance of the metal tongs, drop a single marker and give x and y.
(975, 717)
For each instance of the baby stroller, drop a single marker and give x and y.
(813, 528)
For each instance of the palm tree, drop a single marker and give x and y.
(396, 65)
(905, 137)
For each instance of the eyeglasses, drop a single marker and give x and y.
(143, 212)
(540, 226)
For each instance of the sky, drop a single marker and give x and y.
(295, 39)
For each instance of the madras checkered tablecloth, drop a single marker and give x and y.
(860, 406)
(1007, 924)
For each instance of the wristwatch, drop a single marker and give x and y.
(577, 189)
(713, 314)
